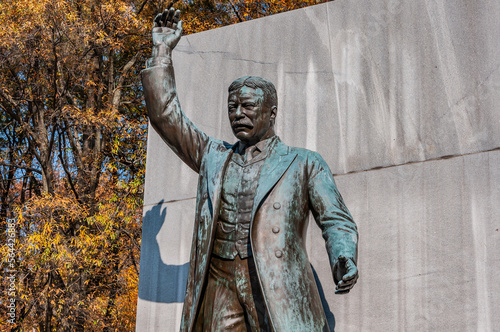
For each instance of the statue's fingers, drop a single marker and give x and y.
(164, 18)
(351, 274)
(343, 285)
(347, 282)
(176, 19)
(343, 288)
(157, 20)
(177, 16)
(170, 17)
(352, 280)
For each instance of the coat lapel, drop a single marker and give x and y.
(215, 167)
(273, 169)
(215, 170)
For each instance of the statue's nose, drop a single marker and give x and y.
(239, 113)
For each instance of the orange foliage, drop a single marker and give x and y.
(73, 139)
(209, 14)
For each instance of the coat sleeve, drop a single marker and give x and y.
(166, 115)
(331, 214)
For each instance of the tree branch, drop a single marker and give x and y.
(235, 11)
(21, 166)
(63, 163)
(117, 93)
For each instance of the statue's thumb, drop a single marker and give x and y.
(339, 269)
(178, 31)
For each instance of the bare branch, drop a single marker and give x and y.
(75, 144)
(235, 11)
(117, 93)
(21, 166)
(66, 171)
(9, 98)
(142, 6)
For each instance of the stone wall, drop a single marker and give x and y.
(402, 100)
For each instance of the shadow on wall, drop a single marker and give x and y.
(159, 282)
(330, 318)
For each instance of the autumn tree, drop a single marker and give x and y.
(72, 151)
(209, 14)
(73, 134)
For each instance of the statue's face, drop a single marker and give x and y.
(251, 120)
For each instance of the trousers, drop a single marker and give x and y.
(233, 299)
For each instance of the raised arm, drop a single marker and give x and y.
(163, 106)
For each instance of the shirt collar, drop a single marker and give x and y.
(259, 146)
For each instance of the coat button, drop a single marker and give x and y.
(278, 253)
(276, 205)
(276, 230)
(205, 195)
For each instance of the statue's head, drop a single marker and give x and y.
(252, 108)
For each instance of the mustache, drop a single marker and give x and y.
(242, 124)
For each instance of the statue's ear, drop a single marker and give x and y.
(274, 112)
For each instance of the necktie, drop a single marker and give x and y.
(249, 153)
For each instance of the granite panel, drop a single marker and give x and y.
(205, 66)
(167, 177)
(415, 80)
(429, 247)
(481, 174)
(157, 316)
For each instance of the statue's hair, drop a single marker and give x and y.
(255, 82)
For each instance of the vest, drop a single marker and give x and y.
(232, 235)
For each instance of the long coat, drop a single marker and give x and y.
(292, 183)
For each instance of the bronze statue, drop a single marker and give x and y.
(249, 269)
